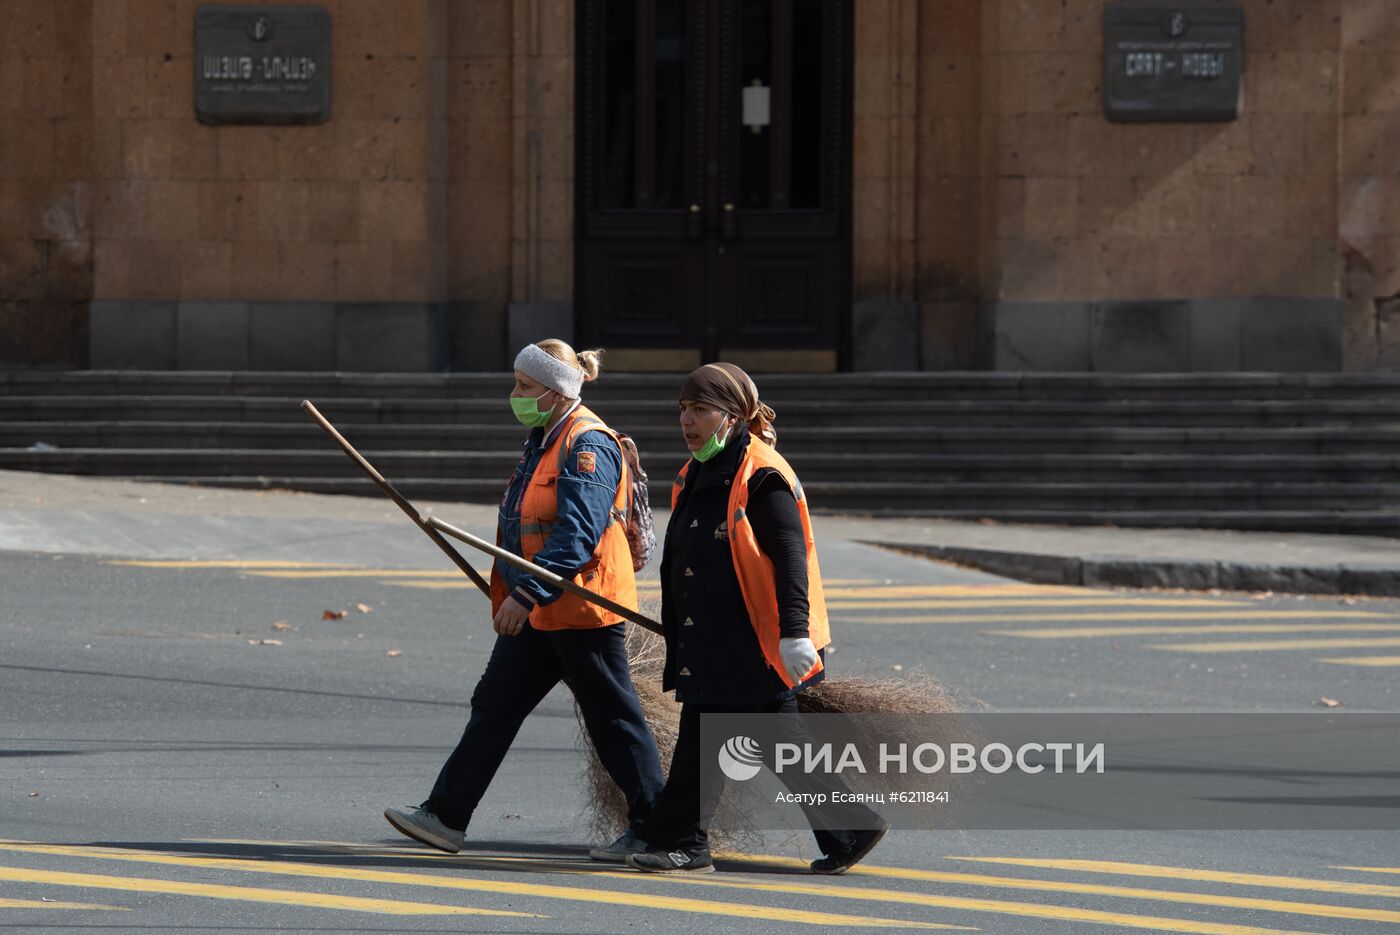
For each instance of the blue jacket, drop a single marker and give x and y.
(585, 500)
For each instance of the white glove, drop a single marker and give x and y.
(799, 656)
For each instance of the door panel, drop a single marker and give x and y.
(713, 173)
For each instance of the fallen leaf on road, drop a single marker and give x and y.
(364, 608)
(264, 642)
(333, 614)
(393, 652)
(33, 795)
(281, 625)
(1329, 702)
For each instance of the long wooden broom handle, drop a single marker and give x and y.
(398, 498)
(543, 574)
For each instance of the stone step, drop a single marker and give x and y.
(1245, 506)
(813, 467)
(507, 436)
(775, 387)
(631, 415)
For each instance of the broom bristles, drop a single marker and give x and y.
(911, 694)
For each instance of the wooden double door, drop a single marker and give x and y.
(714, 151)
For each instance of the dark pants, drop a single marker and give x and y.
(521, 671)
(681, 818)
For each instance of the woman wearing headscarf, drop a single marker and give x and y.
(562, 511)
(742, 607)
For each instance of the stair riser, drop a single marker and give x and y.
(794, 442)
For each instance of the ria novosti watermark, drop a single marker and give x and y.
(1069, 771)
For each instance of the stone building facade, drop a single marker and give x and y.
(971, 206)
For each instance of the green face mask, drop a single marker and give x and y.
(713, 446)
(527, 410)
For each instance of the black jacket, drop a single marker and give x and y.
(712, 652)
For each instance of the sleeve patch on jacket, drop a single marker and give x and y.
(587, 462)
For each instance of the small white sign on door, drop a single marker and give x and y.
(757, 107)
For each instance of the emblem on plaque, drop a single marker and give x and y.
(260, 28)
(1176, 25)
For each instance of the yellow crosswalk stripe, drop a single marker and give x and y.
(991, 590)
(1040, 910)
(461, 584)
(1268, 881)
(224, 563)
(55, 904)
(300, 575)
(832, 589)
(1276, 645)
(1385, 662)
(1014, 602)
(581, 867)
(642, 587)
(576, 894)
(1124, 616)
(1096, 632)
(1287, 907)
(248, 894)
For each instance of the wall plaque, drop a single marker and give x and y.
(262, 64)
(1173, 62)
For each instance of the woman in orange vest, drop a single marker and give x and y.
(564, 510)
(743, 611)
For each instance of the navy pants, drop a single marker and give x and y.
(685, 807)
(521, 671)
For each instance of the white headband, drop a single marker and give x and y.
(538, 365)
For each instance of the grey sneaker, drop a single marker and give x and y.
(617, 851)
(423, 826)
(677, 861)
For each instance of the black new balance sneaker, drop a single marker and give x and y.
(844, 860)
(672, 862)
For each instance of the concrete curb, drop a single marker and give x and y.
(1101, 572)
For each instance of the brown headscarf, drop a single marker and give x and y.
(729, 388)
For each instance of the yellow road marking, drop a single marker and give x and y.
(230, 563)
(54, 904)
(248, 894)
(1370, 869)
(576, 894)
(583, 867)
(1070, 914)
(940, 603)
(1275, 645)
(1123, 616)
(363, 573)
(1190, 873)
(1092, 632)
(957, 590)
(832, 589)
(1288, 907)
(1374, 661)
(464, 584)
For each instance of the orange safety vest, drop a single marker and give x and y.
(755, 570)
(608, 573)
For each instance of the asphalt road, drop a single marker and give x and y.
(165, 768)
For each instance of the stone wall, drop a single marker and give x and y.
(1370, 183)
(46, 159)
(362, 243)
(1159, 246)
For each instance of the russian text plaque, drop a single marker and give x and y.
(1173, 62)
(262, 64)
